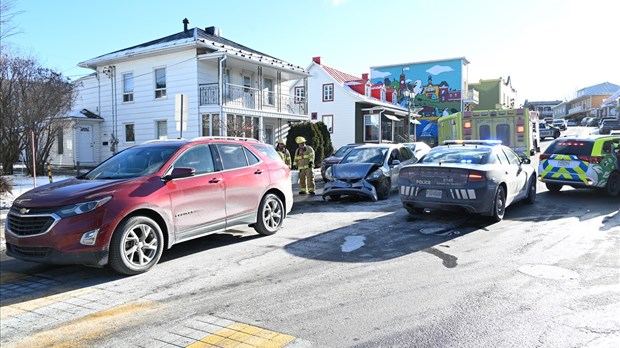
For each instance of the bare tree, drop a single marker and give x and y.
(7, 28)
(35, 102)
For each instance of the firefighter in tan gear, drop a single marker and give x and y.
(304, 161)
(283, 152)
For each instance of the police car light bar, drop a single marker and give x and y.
(472, 142)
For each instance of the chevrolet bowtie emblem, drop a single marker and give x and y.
(24, 210)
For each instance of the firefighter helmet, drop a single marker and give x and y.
(300, 140)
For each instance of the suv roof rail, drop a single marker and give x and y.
(472, 142)
(163, 140)
(224, 138)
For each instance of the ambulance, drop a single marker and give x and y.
(516, 128)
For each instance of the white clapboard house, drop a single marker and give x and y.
(189, 84)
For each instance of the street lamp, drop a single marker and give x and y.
(412, 114)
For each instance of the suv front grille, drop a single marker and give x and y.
(29, 251)
(25, 225)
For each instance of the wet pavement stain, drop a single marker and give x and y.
(449, 261)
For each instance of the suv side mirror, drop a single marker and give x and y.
(180, 172)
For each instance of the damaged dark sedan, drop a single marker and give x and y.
(369, 171)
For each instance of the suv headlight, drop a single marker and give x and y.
(81, 208)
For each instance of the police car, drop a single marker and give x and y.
(548, 131)
(582, 162)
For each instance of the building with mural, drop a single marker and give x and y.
(429, 89)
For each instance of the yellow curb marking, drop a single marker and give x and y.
(85, 331)
(240, 335)
(28, 306)
(9, 277)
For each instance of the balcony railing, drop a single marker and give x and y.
(472, 96)
(577, 109)
(252, 98)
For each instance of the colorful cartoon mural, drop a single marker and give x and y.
(439, 95)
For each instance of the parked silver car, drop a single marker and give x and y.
(419, 148)
(369, 171)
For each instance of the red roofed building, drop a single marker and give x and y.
(354, 110)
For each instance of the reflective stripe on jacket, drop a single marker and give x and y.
(285, 155)
(303, 157)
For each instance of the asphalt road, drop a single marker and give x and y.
(347, 274)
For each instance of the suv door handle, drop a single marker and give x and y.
(258, 171)
(215, 180)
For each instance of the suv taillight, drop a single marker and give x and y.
(543, 156)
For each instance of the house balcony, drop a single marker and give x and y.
(472, 97)
(252, 99)
(577, 110)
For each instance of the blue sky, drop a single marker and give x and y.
(549, 48)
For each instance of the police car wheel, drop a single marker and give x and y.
(531, 194)
(553, 187)
(613, 184)
(499, 207)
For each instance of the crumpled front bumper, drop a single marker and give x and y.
(343, 188)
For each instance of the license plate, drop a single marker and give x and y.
(433, 193)
(563, 163)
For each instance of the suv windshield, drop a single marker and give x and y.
(570, 147)
(134, 162)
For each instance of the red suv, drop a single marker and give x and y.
(147, 198)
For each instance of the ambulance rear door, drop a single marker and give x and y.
(490, 126)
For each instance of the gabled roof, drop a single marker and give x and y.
(612, 100)
(357, 86)
(191, 37)
(605, 88)
(339, 76)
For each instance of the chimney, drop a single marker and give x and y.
(215, 31)
(365, 76)
(317, 60)
(185, 23)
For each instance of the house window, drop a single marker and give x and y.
(313, 116)
(382, 94)
(328, 92)
(210, 125)
(60, 142)
(247, 84)
(162, 129)
(160, 83)
(268, 87)
(367, 91)
(329, 122)
(127, 87)
(299, 95)
(130, 136)
(371, 127)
